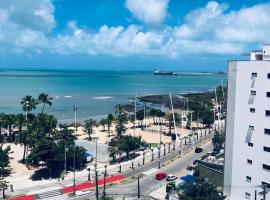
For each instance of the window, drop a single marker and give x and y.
(254, 74)
(253, 92)
(251, 128)
(248, 178)
(252, 110)
(266, 167)
(268, 75)
(247, 195)
(267, 94)
(267, 149)
(267, 131)
(249, 161)
(250, 144)
(267, 113)
(266, 184)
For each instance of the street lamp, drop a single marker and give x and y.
(74, 150)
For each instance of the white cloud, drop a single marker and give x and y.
(151, 12)
(212, 29)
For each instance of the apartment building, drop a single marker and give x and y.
(247, 149)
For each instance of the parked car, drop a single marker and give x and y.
(171, 177)
(160, 175)
(198, 150)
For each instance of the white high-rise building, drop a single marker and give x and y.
(247, 148)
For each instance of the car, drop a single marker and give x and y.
(198, 150)
(171, 177)
(160, 175)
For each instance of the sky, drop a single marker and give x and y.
(180, 35)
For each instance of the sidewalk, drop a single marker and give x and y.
(81, 186)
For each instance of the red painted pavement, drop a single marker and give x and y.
(89, 185)
(81, 186)
(26, 197)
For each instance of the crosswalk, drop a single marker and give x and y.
(51, 195)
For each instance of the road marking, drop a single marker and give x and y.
(45, 190)
(150, 171)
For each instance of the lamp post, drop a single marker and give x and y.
(74, 150)
(159, 145)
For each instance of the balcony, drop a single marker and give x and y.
(249, 134)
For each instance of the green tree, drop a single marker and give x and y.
(120, 128)
(44, 99)
(5, 169)
(103, 122)
(28, 104)
(9, 122)
(128, 143)
(218, 141)
(110, 119)
(140, 116)
(20, 122)
(208, 117)
(88, 126)
(201, 189)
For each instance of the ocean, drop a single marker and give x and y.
(95, 93)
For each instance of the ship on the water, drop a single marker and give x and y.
(158, 72)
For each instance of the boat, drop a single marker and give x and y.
(157, 72)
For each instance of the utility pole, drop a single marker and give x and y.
(74, 149)
(96, 181)
(159, 152)
(135, 114)
(74, 163)
(139, 191)
(264, 192)
(255, 196)
(104, 182)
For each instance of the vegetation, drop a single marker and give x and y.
(39, 133)
(218, 141)
(5, 169)
(201, 189)
(88, 126)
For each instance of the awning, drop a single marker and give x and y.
(88, 154)
(188, 178)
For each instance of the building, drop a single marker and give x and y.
(247, 148)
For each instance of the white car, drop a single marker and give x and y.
(171, 177)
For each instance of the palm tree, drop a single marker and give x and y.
(2, 123)
(44, 99)
(119, 109)
(109, 122)
(19, 122)
(28, 103)
(103, 122)
(9, 122)
(88, 126)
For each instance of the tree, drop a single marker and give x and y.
(200, 189)
(110, 118)
(208, 117)
(119, 109)
(9, 122)
(88, 126)
(20, 122)
(120, 128)
(2, 124)
(28, 104)
(5, 169)
(44, 99)
(128, 143)
(218, 141)
(140, 116)
(103, 122)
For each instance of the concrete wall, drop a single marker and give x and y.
(239, 118)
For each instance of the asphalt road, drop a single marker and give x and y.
(148, 182)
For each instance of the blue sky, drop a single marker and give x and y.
(178, 35)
